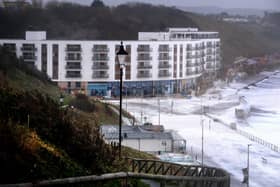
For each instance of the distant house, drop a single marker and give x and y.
(236, 20)
(152, 139)
(14, 4)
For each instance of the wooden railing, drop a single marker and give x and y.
(191, 176)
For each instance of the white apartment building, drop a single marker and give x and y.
(158, 62)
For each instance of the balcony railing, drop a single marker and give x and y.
(164, 49)
(100, 50)
(73, 74)
(164, 66)
(100, 76)
(164, 74)
(193, 64)
(67, 58)
(210, 66)
(100, 66)
(190, 56)
(164, 58)
(78, 66)
(26, 58)
(210, 60)
(193, 72)
(144, 75)
(144, 66)
(144, 58)
(100, 58)
(73, 49)
(28, 49)
(144, 49)
(190, 48)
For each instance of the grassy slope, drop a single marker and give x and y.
(36, 158)
(23, 82)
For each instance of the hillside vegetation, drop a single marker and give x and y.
(72, 21)
(39, 139)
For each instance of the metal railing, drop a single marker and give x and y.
(192, 176)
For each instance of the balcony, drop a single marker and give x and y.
(144, 66)
(144, 49)
(73, 48)
(29, 58)
(144, 58)
(190, 56)
(164, 66)
(100, 66)
(164, 74)
(144, 75)
(73, 74)
(28, 49)
(193, 64)
(73, 66)
(164, 58)
(190, 48)
(100, 75)
(69, 58)
(193, 72)
(100, 49)
(210, 60)
(210, 66)
(164, 49)
(100, 58)
(199, 47)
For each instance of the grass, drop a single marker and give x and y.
(24, 82)
(34, 158)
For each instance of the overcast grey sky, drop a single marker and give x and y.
(255, 4)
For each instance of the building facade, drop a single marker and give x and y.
(152, 139)
(158, 63)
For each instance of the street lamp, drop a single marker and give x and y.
(248, 164)
(121, 54)
(246, 170)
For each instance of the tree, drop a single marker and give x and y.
(97, 3)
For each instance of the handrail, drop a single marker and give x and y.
(148, 169)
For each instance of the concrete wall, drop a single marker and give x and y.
(147, 145)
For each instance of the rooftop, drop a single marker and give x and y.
(134, 132)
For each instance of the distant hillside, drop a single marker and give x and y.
(241, 40)
(71, 21)
(231, 11)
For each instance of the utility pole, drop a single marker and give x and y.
(202, 132)
(141, 110)
(126, 98)
(158, 111)
(202, 142)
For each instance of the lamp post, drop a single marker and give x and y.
(202, 142)
(248, 163)
(121, 54)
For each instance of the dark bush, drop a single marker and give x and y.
(82, 102)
